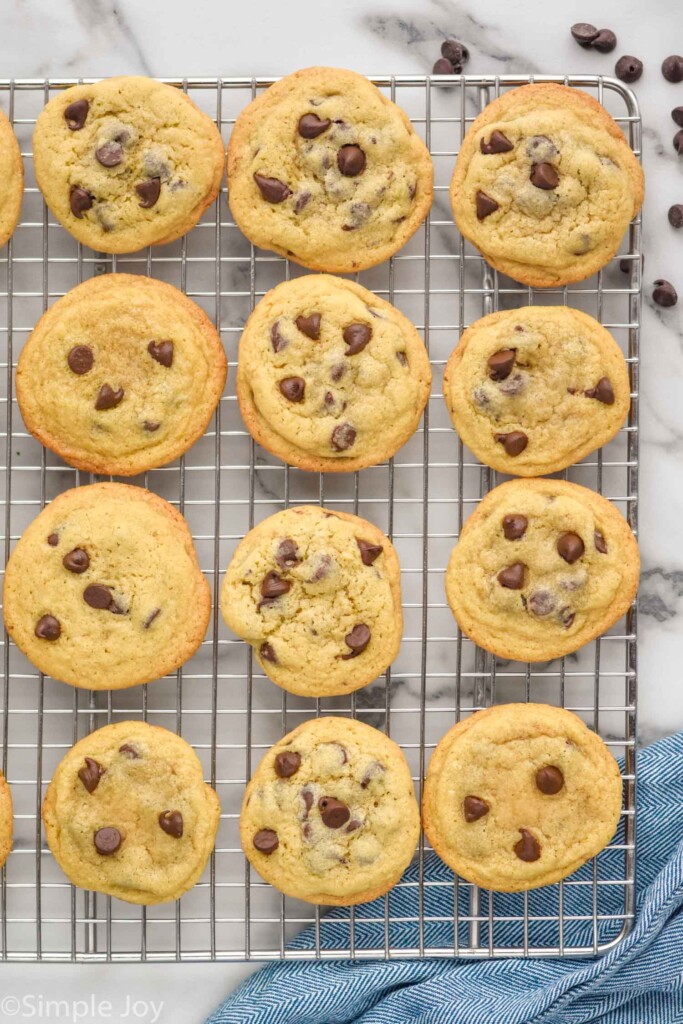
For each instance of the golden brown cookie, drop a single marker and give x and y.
(6, 820)
(12, 177)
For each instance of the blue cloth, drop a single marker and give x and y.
(640, 981)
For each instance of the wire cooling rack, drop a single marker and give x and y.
(220, 702)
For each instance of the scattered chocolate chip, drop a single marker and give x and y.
(549, 780)
(53, 540)
(287, 764)
(161, 352)
(442, 67)
(333, 812)
(130, 751)
(343, 437)
(358, 639)
(287, 554)
(110, 154)
(75, 114)
(79, 200)
(628, 69)
(678, 142)
(293, 388)
(267, 653)
(602, 392)
(171, 823)
(76, 561)
(276, 339)
(309, 325)
(544, 176)
(98, 596)
(514, 443)
(485, 205)
(677, 114)
(80, 359)
(605, 41)
(149, 192)
(500, 363)
(672, 68)
(107, 398)
(583, 33)
(273, 586)
(600, 542)
(676, 215)
(351, 161)
(368, 552)
(311, 126)
(266, 841)
(498, 143)
(455, 52)
(512, 578)
(151, 617)
(151, 426)
(541, 603)
(570, 547)
(527, 848)
(48, 628)
(356, 336)
(107, 841)
(514, 526)
(474, 808)
(664, 293)
(90, 774)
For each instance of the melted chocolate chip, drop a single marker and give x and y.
(307, 797)
(130, 751)
(287, 764)
(293, 388)
(528, 848)
(356, 336)
(353, 825)
(98, 596)
(514, 526)
(602, 392)
(343, 437)
(498, 143)
(171, 823)
(48, 628)
(76, 561)
(541, 603)
(368, 552)
(272, 189)
(273, 586)
(161, 352)
(75, 114)
(80, 359)
(514, 443)
(600, 542)
(267, 653)
(485, 205)
(570, 547)
(544, 176)
(500, 363)
(302, 201)
(276, 339)
(311, 126)
(79, 200)
(53, 540)
(309, 325)
(151, 426)
(474, 808)
(566, 616)
(549, 780)
(358, 639)
(402, 358)
(266, 841)
(151, 617)
(351, 161)
(148, 192)
(373, 771)
(512, 578)
(107, 398)
(107, 841)
(110, 154)
(323, 569)
(90, 774)
(287, 555)
(333, 812)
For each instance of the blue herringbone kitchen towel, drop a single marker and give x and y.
(639, 982)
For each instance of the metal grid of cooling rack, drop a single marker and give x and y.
(219, 701)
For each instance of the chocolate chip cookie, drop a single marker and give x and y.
(12, 177)
(330, 814)
(127, 162)
(317, 594)
(519, 796)
(104, 591)
(541, 568)
(128, 814)
(330, 377)
(545, 185)
(121, 375)
(533, 390)
(324, 169)
(6, 820)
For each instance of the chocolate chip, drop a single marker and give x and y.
(540, 149)
(512, 578)
(602, 392)
(98, 596)
(287, 764)
(498, 143)
(485, 205)
(309, 325)
(267, 653)
(600, 542)
(474, 808)
(75, 114)
(356, 336)
(130, 751)
(151, 426)
(566, 616)
(343, 437)
(358, 639)
(672, 68)
(80, 359)
(323, 569)
(500, 363)
(544, 176)
(272, 189)
(266, 841)
(353, 825)
(48, 628)
(628, 69)
(161, 352)
(311, 126)
(110, 154)
(107, 841)
(171, 823)
(541, 603)
(549, 780)
(302, 201)
(107, 398)
(351, 161)
(455, 51)
(514, 526)
(514, 443)
(675, 215)
(151, 617)
(273, 586)
(149, 192)
(584, 33)
(333, 812)
(373, 771)
(368, 552)
(402, 358)
(442, 67)
(293, 388)
(570, 547)
(605, 41)
(664, 293)
(287, 555)
(276, 339)
(527, 848)
(53, 540)
(678, 142)
(79, 200)
(307, 797)
(337, 372)
(76, 561)
(677, 114)
(90, 774)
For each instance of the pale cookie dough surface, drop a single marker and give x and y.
(127, 162)
(556, 381)
(121, 375)
(547, 603)
(321, 620)
(124, 777)
(6, 820)
(12, 178)
(330, 814)
(519, 796)
(330, 377)
(104, 591)
(317, 214)
(551, 203)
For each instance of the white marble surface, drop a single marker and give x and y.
(103, 37)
